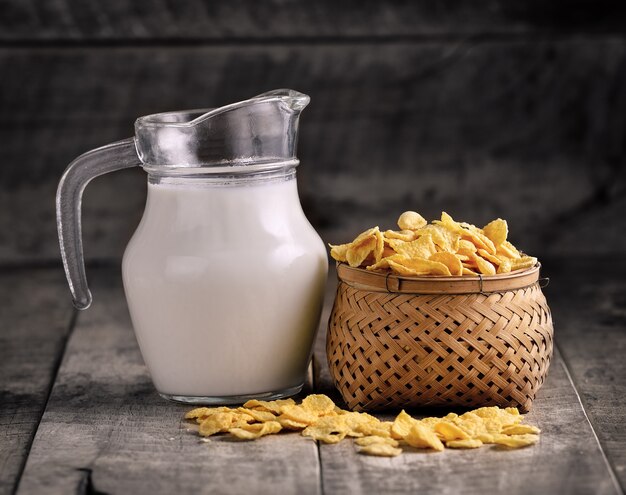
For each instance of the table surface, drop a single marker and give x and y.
(78, 413)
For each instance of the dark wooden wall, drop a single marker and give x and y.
(481, 108)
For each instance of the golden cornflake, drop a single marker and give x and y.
(402, 425)
(419, 266)
(216, 423)
(523, 262)
(485, 437)
(507, 249)
(257, 430)
(450, 260)
(381, 450)
(269, 406)
(423, 247)
(339, 252)
(201, 413)
(444, 239)
(403, 235)
(483, 265)
(197, 413)
(515, 441)
(470, 443)
(518, 429)
(257, 415)
(290, 424)
(386, 262)
(449, 431)
(327, 429)
(411, 220)
(423, 437)
(496, 231)
(361, 424)
(466, 247)
(373, 439)
(505, 265)
(299, 414)
(357, 254)
(492, 258)
(318, 404)
(382, 429)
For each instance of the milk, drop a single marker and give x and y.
(224, 284)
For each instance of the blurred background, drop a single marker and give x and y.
(481, 108)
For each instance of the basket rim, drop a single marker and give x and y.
(360, 278)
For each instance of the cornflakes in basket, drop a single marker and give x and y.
(443, 248)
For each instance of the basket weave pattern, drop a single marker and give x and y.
(402, 350)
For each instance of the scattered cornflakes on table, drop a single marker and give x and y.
(319, 418)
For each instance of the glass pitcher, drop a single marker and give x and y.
(224, 276)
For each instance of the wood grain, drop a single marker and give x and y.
(35, 316)
(531, 132)
(592, 339)
(106, 428)
(275, 19)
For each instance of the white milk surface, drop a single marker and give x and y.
(225, 286)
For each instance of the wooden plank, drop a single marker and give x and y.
(527, 131)
(274, 19)
(35, 316)
(592, 340)
(106, 428)
(568, 458)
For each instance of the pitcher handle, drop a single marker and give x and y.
(100, 161)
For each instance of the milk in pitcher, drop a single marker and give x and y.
(224, 285)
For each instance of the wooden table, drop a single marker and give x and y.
(78, 413)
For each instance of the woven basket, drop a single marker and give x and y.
(438, 341)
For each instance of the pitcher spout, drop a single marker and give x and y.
(251, 133)
(295, 100)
